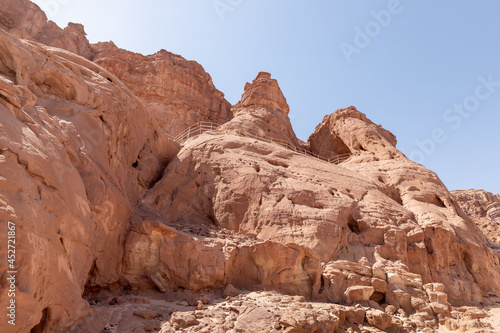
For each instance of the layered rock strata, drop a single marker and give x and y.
(77, 151)
(106, 205)
(484, 210)
(178, 93)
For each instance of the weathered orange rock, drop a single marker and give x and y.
(358, 294)
(264, 91)
(350, 131)
(25, 20)
(443, 229)
(379, 319)
(484, 210)
(262, 112)
(371, 207)
(102, 199)
(77, 151)
(178, 93)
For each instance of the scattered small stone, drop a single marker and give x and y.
(182, 320)
(299, 299)
(401, 313)
(230, 290)
(234, 309)
(146, 314)
(390, 309)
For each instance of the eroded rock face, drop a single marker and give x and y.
(262, 112)
(76, 152)
(478, 203)
(391, 214)
(159, 256)
(178, 93)
(443, 239)
(264, 91)
(349, 131)
(102, 199)
(484, 209)
(26, 20)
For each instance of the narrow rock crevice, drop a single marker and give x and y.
(90, 286)
(40, 327)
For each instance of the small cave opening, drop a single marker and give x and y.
(378, 297)
(429, 246)
(397, 196)
(322, 287)
(439, 202)
(394, 193)
(40, 328)
(135, 164)
(353, 225)
(109, 79)
(90, 287)
(354, 220)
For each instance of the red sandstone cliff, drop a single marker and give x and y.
(123, 229)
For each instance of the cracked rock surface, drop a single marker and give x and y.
(124, 230)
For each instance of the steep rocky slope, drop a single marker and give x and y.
(176, 92)
(262, 112)
(484, 209)
(124, 230)
(24, 19)
(77, 151)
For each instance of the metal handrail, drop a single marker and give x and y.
(206, 126)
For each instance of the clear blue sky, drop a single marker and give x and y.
(416, 71)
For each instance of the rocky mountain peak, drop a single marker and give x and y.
(349, 131)
(26, 20)
(122, 229)
(264, 91)
(262, 111)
